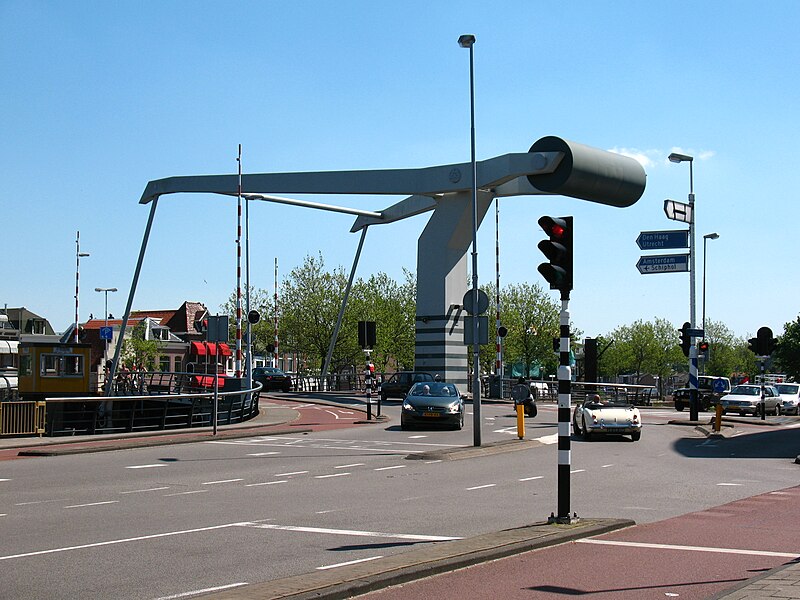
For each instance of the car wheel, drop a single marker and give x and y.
(679, 406)
(636, 436)
(587, 435)
(777, 410)
(286, 389)
(575, 426)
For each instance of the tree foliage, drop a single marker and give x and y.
(787, 354)
(138, 352)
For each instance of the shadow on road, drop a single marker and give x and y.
(769, 444)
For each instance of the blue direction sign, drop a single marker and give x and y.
(663, 263)
(663, 240)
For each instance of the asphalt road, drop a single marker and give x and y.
(164, 521)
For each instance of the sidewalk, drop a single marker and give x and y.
(781, 582)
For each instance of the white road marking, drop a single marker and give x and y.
(506, 430)
(120, 541)
(351, 532)
(547, 439)
(480, 487)
(390, 468)
(348, 466)
(185, 493)
(93, 504)
(221, 481)
(263, 453)
(531, 478)
(4, 479)
(335, 416)
(332, 475)
(417, 437)
(292, 473)
(691, 548)
(606, 466)
(431, 462)
(203, 591)
(577, 471)
(3, 514)
(155, 489)
(40, 502)
(349, 562)
(729, 484)
(146, 466)
(267, 483)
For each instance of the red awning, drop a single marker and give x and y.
(198, 348)
(224, 349)
(212, 348)
(207, 381)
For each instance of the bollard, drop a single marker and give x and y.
(520, 421)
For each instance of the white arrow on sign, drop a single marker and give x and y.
(678, 211)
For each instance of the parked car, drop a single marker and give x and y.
(746, 399)
(790, 398)
(272, 379)
(612, 415)
(433, 403)
(397, 385)
(709, 390)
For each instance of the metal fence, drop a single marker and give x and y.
(22, 418)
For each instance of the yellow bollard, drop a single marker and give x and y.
(520, 421)
(718, 419)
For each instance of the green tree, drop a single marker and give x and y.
(787, 354)
(140, 352)
(727, 354)
(263, 332)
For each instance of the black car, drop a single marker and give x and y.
(397, 385)
(433, 403)
(272, 379)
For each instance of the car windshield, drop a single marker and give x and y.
(268, 371)
(607, 401)
(434, 388)
(788, 388)
(747, 390)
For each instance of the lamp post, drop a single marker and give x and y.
(78, 256)
(678, 158)
(468, 41)
(706, 237)
(105, 291)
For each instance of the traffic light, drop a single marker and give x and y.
(558, 250)
(502, 331)
(752, 345)
(703, 347)
(765, 342)
(686, 339)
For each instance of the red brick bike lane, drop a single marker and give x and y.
(690, 557)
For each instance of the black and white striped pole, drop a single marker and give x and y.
(558, 273)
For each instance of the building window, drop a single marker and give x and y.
(178, 364)
(61, 365)
(163, 363)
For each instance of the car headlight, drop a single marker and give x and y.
(407, 406)
(454, 407)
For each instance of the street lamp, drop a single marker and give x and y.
(678, 158)
(105, 312)
(706, 237)
(78, 256)
(468, 41)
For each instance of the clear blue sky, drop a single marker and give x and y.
(101, 97)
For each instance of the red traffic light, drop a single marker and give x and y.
(703, 346)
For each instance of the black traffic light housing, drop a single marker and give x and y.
(765, 342)
(558, 250)
(703, 347)
(752, 345)
(686, 339)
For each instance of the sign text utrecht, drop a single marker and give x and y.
(664, 263)
(663, 240)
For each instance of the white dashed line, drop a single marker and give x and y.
(155, 489)
(348, 466)
(532, 478)
(219, 588)
(332, 475)
(93, 504)
(263, 453)
(606, 466)
(4, 479)
(185, 493)
(267, 483)
(292, 473)
(480, 487)
(146, 466)
(390, 468)
(350, 562)
(730, 484)
(577, 471)
(350, 532)
(221, 481)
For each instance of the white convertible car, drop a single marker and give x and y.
(609, 416)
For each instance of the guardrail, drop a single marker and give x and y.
(126, 414)
(22, 418)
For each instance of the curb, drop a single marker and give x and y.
(436, 558)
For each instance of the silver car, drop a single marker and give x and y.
(746, 398)
(790, 396)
